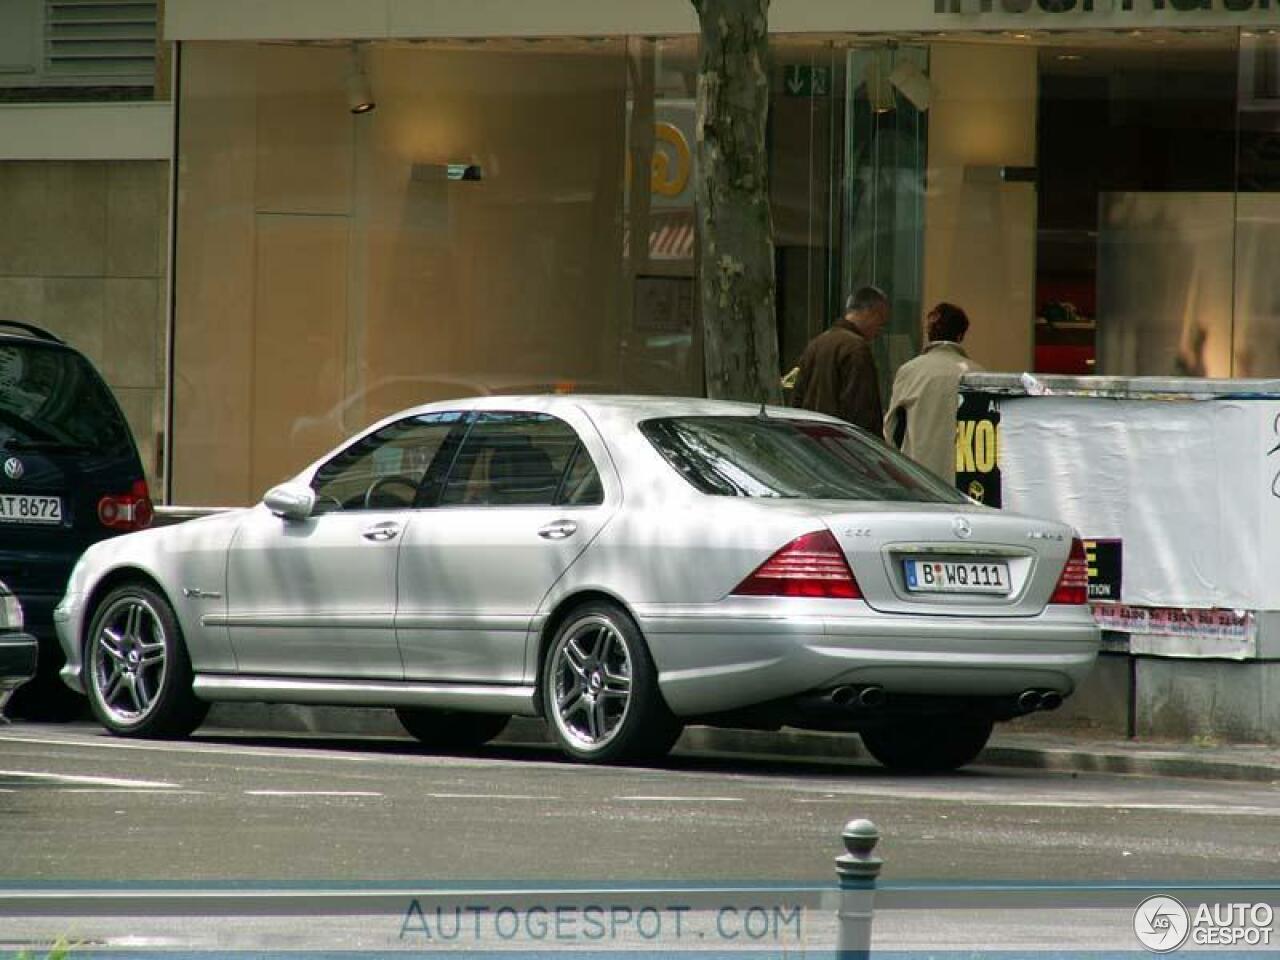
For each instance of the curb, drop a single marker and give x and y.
(1024, 751)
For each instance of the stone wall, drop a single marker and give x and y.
(83, 253)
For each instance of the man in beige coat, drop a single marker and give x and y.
(922, 409)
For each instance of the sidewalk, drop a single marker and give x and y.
(1068, 751)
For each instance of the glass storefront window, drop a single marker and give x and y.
(886, 147)
(1136, 168)
(480, 231)
(517, 215)
(331, 269)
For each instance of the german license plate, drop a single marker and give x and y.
(957, 576)
(23, 508)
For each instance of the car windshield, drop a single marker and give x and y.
(50, 398)
(791, 459)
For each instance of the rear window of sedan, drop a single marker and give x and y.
(790, 459)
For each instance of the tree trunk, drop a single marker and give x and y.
(735, 227)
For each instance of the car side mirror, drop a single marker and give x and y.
(292, 501)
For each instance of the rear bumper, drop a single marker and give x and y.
(710, 662)
(19, 654)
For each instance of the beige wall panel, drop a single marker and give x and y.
(980, 236)
(54, 218)
(24, 187)
(429, 289)
(137, 218)
(299, 342)
(71, 235)
(513, 279)
(136, 130)
(304, 130)
(315, 19)
(539, 17)
(22, 298)
(144, 411)
(130, 336)
(59, 231)
(73, 310)
(258, 20)
(214, 277)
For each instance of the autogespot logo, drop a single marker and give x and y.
(1161, 924)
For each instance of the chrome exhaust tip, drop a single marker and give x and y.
(1029, 701)
(871, 697)
(843, 696)
(1050, 700)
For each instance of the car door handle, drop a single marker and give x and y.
(381, 532)
(558, 530)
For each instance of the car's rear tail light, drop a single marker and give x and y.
(127, 511)
(809, 566)
(1073, 585)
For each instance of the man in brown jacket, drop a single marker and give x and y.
(837, 369)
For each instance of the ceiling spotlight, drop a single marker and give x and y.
(359, 92)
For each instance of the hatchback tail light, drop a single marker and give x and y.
(812, 565)
(127, 511)
(1073, 585)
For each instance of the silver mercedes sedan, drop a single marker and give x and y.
(621, 566)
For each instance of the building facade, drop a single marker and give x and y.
(1094, 182)
(86, 136)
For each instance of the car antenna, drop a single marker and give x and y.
(763, 414)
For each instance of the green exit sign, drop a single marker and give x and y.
(801, 81)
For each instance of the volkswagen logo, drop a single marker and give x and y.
(962, 528)
(13, 468)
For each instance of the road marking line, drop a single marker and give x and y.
(165, 790)
(68, 778)
(1063, 804)
(671, 799)
(308, 748)
(1140, 805)
(488, 796)
(311, 793)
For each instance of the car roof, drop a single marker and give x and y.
(616, 407)
(27, 333)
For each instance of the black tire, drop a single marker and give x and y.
(136, 669)
(933, 745)
(600, 689)
(451, 729)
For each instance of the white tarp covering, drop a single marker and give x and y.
(1191, 488)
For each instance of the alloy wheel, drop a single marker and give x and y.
(129, 660)
(592, 682)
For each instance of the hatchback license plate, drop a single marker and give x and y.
(953, 576)
(23, 508)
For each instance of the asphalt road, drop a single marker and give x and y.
(78, 807)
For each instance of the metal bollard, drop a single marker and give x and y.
(857, 870)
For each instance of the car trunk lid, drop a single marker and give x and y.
(950, 560)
